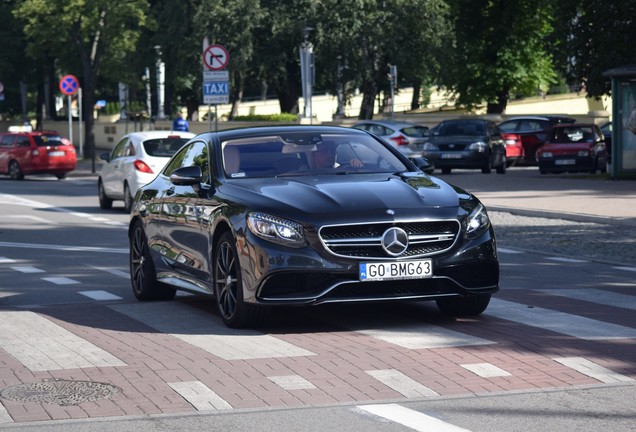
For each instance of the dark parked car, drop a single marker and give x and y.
(572, 148)
(39, 152)
(533, 131)
(304, 215)
(466, 143)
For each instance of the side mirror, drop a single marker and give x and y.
(424, 164)
(105, 157)
(187, 176)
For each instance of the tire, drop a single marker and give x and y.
(488, 168)
(446, 170)
(470, 305)
(14, 171)
(60, 176)
(128, 199)
(228, 286)
(501, 169)
(143, 276)
(594, 167)
(105, 203)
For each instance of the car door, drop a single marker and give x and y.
(185, 216)
(6, 146)
(112, 173)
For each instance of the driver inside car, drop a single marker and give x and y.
(325, 157)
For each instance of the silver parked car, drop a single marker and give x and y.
(408, 138)
(136, 160)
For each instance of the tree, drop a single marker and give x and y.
(595, 37)
(500, 46)
(368, 36)
(100, 32)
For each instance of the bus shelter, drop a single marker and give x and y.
(623, 121)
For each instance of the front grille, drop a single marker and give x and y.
(365, 240)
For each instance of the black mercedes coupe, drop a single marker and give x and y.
(305, 215)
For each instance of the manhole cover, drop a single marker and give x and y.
(60, 392)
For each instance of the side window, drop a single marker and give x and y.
(24, 141)
(193, 154)
(7, 140)
(119, 149)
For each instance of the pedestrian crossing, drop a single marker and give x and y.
(40, 344)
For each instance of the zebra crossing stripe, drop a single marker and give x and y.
(42, 345)
(486, 370)
(4, 415)
(603, 297)
(410, 418)
(592, 370)
(559, 322)
(401, 383)
(200, 396)
(291, 382)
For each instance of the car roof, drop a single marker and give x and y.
(394, 123)
(145, 135)
(571, 125)
(283, 129)
(545, 117)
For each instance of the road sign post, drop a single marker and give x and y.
(69, 85)
(216, 80)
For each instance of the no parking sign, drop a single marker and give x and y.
(69, 85)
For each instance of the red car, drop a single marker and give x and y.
(40, 152)
(529, 134)
(572, 148)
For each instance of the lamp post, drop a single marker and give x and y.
(307, 72)
(161, 72)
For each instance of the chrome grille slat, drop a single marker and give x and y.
(365, 240)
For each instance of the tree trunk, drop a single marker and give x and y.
(369, 92)
(499, 107)
(415, 100)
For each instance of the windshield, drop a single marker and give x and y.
(49, 140)
(467, 128)
(303, 155)
(573, 135)
(164, 147)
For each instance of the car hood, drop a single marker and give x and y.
(408, 195)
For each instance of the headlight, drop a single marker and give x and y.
(480, 146)
(276, 229)
(478, 222)
(430, 147)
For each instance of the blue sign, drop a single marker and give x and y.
(69, 85)
(216, 92)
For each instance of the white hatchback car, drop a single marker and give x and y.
(136, 160)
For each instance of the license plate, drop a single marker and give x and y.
(565, 162)
(451, 156)
(378, 271)
(56, 153)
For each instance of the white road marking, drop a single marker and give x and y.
(597, 296)
(486, 370)
(123, 274)
(560, 322)
(4, 415)
(33, 218)
(568, 260)
(5, 260)
(631, 269)
(410, 418)
(206, 331)
(592, 370)
(291, 382)
(42, 345)
(17, 200)
(64, 248)
(423, 336)
(509, 251)
(61, 280)
(27, 269)
(100, 295)
(200, 396)
(401, 383)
